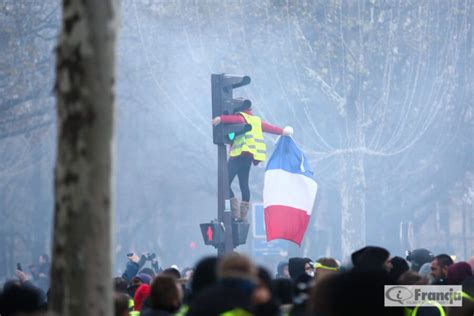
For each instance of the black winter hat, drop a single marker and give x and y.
(370, 257)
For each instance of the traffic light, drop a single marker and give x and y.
(212, 233)
(240, 231)
(223, 103)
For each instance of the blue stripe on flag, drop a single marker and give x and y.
(287, 156)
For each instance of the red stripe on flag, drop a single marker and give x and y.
(285, 222)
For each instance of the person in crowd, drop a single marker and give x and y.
(399, 266)
(137, 280)
(205, 275)
(187, 273)
(174, 272)
(120, 285)
(247, 149)
(121, 304)
(301, 289)
(458, 272)
(283, 290)
(282, 270)
(237, 280)
(338, 294)
(18, 298)
(40, 272)
(425, 271)
(325, 267)
(141, 294)
(263, 297)
(471, 263)
(135, 263)
(411, 277)
(419, 257)
(298, 266)
(371, 258)
(439, 268)
(165, 297)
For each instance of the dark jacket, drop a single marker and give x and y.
(155, 312)
(223, 297)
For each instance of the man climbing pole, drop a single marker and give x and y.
(246, 149)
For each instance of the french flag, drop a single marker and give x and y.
(289, 192)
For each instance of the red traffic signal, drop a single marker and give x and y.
(212, 233)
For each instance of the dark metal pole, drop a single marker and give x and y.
(223, 213)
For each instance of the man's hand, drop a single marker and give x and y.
(134, 258)
(21, 276)
(216, 121)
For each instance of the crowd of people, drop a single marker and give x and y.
(234, 285)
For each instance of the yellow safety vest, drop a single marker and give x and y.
(236, 312)
(134, 313)
(252, 141)
(434, 303)
(183, 310)
(467, 296)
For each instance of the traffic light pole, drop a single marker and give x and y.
(223, 214)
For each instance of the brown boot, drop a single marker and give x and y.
(244, 210)
(234, 208)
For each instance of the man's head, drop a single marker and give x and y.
(171, 272)
(419, 257)
(121, 304)
(298, 266)
(440, 265)
(371, 258)
(325, 267)
(236, 266)
(165, 293)
(120, 285)
(282, 270)
(471, 263)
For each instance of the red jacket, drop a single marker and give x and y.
(236, 119)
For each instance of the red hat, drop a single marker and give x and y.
(457, 272)
(141, 294)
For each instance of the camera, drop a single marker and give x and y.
(150, 256)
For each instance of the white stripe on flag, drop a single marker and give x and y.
(285, 188)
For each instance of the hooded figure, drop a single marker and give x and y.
(370, 258)
(298, 266)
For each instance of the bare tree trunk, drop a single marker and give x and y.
(81, 278)
(353, 189)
